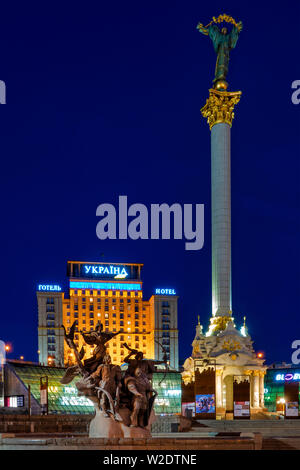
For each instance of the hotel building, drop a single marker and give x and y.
(112, 294)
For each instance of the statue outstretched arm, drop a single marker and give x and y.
(234, 35)
(202, 29)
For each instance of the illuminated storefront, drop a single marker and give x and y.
(110, 293)
(63, 399)
(275, 380)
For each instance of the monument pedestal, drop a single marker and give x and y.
(102, 426)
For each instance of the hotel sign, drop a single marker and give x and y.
(165, 292)
(117, 272)
(103, 271)
(49, 287)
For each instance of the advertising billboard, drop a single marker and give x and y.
(241, 409)
(188, 409)
(205, 403)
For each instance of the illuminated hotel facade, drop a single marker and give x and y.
(112, 294)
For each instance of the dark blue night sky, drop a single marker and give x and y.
(104, 100)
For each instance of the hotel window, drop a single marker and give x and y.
(121, 338)
(121, 315)
(91, 322)
(50, 316)
(75, 306)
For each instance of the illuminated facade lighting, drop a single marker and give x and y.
(112, 294)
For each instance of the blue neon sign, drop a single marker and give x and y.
(165, 292)
(118, 272)
(104, 285)
(287, 377)
(49, 287)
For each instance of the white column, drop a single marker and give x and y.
(256, 389)
(219, 388)
(221, 219)
(262, 389)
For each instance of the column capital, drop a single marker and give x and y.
(219, 372)
(248, 372)
(219, 106)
